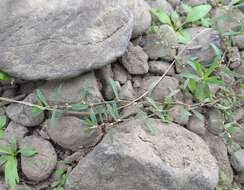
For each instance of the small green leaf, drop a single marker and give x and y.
(197, 13)
(183, 37)
(53, 119)
(192, 86)
(3, 121)
(79, 107)
(190, 76)
(206, 22)
(184, 115)
(27, 152)
(4, 76)
(175, 19)
(197, 67)
(212, 68)
(36, 111)
(161, 16)
(11, 172)
(217, 51)
(214, 80)
(5, 150)
(40, 96)
(93, 117)
(202, 91)
(186, 7)
(114, 87)
(3, 160)
(111, 135)
(113, 110)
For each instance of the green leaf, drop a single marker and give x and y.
(57, 94)
(113, 110)
(212, 68)
(11, 172)
(111, 135)
(161, 16)
(202, 91)
(114, 87)
(40, 96)
(3, 160)
(214, 80)
(197, 67)
(190, 76)
(53, 119)
(79, 107)
(206, 22)
(183, 37)
(217, 51)
(197, 13)
(4, 76)
(186, 7)
(36, 111)
(3, 121)
(93, 117)
(192, 86)
(184, 115)
(5, 150)
(27, 152)
(175, 19)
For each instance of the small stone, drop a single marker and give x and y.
(15, 131)
(127, 91)
(23, 115)
(240, 69)
(179, 114)
(135, 60)
(120, 74)
(234, 57)
(71, 134)
(40, 166)
(197, 125)
(219, 150)
(162, 90)
(238, 135)
(162, 44)
(160, 67)
(84, 87)
(215, 121)
(237, 160)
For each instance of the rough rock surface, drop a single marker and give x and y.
(197, 125)
(22, 114)
(238, 135)
(73, 90)
(15, 131)
(59, 38)
(237, 160)
(172, 159)
(135, 60)
(70, 133)
(215, 121)
(160, 67)
(40, 166)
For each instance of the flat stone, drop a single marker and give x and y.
(59, 39)
(173, 158)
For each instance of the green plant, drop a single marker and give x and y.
(193, 14)
(61, 175)
(3, 122)
(8, 160)
(4, 76)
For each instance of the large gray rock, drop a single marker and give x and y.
(52, 39)
(40, 166)
(172, 159)
(23, 115)
(71, 134)
(84, 87)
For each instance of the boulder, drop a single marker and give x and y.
(59, 38)
(71, 134)
(173, 158)
(23, 115)
(40, 166)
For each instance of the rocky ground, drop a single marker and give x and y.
(101, 95)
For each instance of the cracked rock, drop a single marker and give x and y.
(173, 158)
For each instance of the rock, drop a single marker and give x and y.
(237, 160)
(226, 20)
(40, 166)
(23, 115)
(238, 41)
(238, 135)
(240, 177)
(219, 151)
(200, 47)
(60, 39)
(161, 45)
(174, 3)
(234, 57)
(127, 91)
(173, 158)
(162, 90)
(140, 10)
(15, 131)
(239, 115)
(3, 185)
(160, 67)
(197, 125)
(215, 121)
(9, 93)
(84, 87)
(161, 4)
(135, 60)
(179, 114)
(105, 74)
(120, 74)
(233, 147)
(71, 134)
